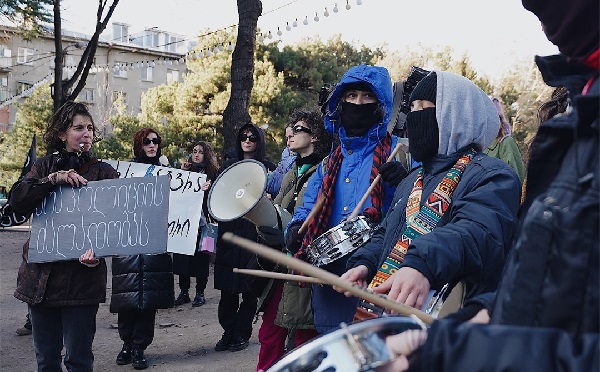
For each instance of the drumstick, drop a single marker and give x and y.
(311, 215)
(273, 275)
(331, 279)
(362, 201)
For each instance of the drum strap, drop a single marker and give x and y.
(422, 221)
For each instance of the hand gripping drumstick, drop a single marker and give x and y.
(329, 278)
(362, 201)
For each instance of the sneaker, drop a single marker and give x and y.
(23, 331)
(124, 356)
(183, 298)
(238, 344)
(199, 300)
(224, 342)
(139, 360)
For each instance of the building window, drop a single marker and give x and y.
(147, 73)
(23, 86)
(120, 32)
(172, 75)
(118, 96)
(87, 95)
(121, 71)
(25, 56)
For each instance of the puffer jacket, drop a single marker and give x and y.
(141, 282)
(62, 283)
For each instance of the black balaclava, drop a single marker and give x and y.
(358, 119)
(422, 126)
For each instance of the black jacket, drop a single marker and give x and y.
(229, 255)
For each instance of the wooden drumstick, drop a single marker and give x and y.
(362, 201)
(327, 277)
(311, 215)
(274, 275)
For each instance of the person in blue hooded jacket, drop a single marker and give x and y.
(452, 218)
(358, 111)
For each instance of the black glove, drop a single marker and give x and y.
(293, 240)
(271, 236)
(392, 172)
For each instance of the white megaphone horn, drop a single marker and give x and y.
(239, 191)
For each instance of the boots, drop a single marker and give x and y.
(183, 298)
(124, 356)
(139, 360)
(199, 300)
(224, 342)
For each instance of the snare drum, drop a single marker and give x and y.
(358, 347)
(339, 241)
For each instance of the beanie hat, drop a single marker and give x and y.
(361, 85)
(426, 89)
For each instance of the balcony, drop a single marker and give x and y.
(5, 63)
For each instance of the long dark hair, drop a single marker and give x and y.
(138, 142)
(209, 160)
(61, 121)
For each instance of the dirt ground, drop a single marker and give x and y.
(185, 346)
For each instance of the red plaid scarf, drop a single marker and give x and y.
(318, 225)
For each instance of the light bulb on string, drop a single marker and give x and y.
(130, 67)
(215, 50)
(175, 62)
(305, 22)
(335, 8)
(348, 6)
(295, 24)
(287, 26)
(270, 35)
(181, 60)
(152, 64)
(201, 54)
(230, 46)
(169, 62)
(221, 47)
(316, 17)
(279, 33)
(208, 52)
(260, 37)
(326, 13)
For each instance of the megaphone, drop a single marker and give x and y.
(239, 191)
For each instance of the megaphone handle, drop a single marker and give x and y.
(362, 201)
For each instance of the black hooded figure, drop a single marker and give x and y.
(234, 317)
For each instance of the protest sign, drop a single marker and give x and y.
(185, 201)
(111, 217)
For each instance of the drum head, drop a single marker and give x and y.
(358, 347)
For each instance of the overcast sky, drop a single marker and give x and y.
(494, 33)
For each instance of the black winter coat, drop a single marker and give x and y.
(141, 282)
(229, 255)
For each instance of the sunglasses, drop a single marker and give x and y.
(252, 138)
(155, 141)
(299, 128)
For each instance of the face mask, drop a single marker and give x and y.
(358, 119)
(423, 133)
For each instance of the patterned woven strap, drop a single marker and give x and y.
(421, 222)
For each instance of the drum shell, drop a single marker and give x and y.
(357, 347)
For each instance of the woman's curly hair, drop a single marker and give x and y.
(314, 120)
(62, 120)
(138, 141)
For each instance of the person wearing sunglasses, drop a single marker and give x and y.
(358, 111)
(141, 283)
(286, 305)
(235, 317)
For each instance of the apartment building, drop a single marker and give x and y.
(126, 65)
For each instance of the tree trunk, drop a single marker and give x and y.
(242, 72)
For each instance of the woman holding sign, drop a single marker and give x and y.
(141, 283)
(202, 160)
(63, 296)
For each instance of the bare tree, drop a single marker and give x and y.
(63, 88)
(242, 71)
